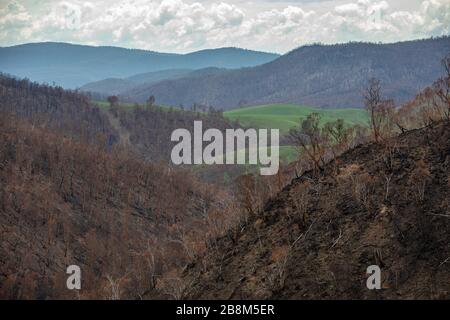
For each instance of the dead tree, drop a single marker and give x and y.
(372, 100)
(311, 139)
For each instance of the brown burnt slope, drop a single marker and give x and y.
(385, 204)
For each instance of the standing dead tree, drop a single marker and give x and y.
(113, 101)
(151, 101)
(310, 137)
(380, 110)
(372, 99)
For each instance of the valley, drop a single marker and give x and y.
(88, 177)
(278, 116)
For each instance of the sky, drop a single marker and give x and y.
(182, 26)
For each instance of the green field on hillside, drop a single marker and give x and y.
(287, 116)
(106, 105)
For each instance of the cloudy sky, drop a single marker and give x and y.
(189, 25)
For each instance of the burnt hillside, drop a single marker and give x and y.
(55, 108)
(78, 186)
(129, 225)
(143, 129)
(385, 204)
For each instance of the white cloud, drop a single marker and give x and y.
(186, 25)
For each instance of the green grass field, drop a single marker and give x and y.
(287, 116)
(105, 104)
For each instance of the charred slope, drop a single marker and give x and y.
(387, 205)
(145, 130)
(125, 222)
(55, 108)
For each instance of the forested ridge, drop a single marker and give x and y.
(329, 76)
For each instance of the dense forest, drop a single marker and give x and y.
(329, 76)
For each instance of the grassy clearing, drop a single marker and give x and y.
(287, 116)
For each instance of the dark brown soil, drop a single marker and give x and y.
(316, 239)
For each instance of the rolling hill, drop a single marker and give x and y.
(320, 75)
(72, 66)
(118, 86)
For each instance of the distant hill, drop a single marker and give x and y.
(319, 75)
(117, 86)
(72, 66)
